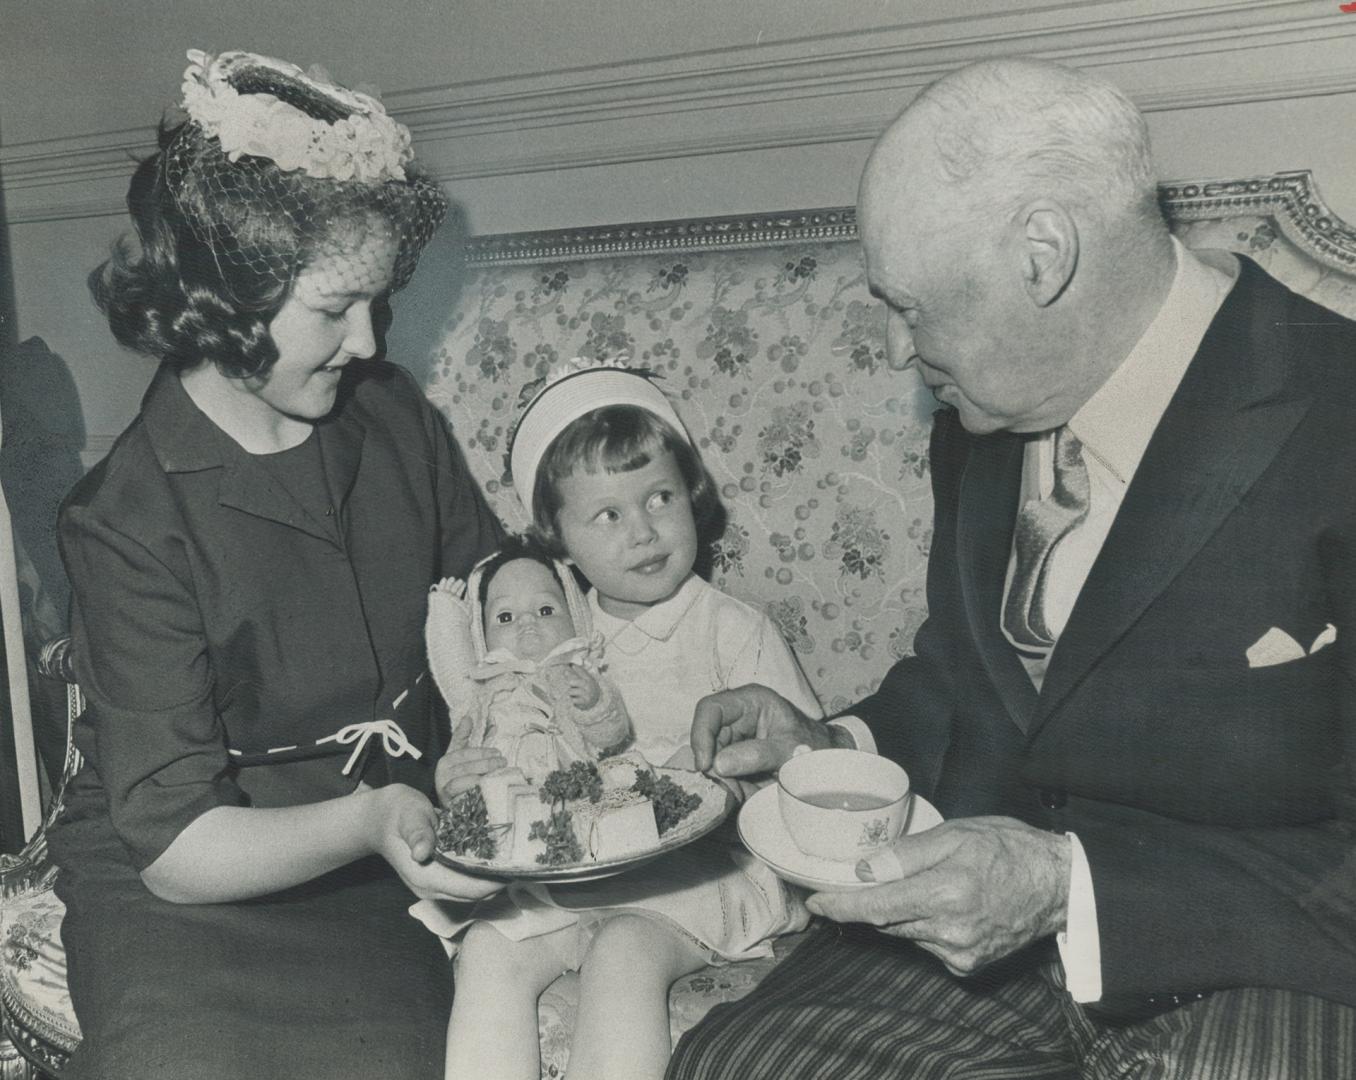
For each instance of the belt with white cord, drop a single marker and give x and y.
(351, 738)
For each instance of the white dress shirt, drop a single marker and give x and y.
(1114, 426)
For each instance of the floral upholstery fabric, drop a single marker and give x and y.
(33, 966)
(776, 360)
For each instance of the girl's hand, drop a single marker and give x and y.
(458, 770)
(583, 687)
(401, 829)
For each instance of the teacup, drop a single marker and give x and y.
(842, 804)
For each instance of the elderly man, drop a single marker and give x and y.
(1134, 698)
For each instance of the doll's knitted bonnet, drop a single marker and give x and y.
(574, 598)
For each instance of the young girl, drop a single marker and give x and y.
(614, 484)
(512, 652)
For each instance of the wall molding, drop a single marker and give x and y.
(821, 90)
(827, 225)
(1291, 198)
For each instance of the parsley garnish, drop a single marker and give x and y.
(579, 781)
(672, 802)
(464, 828)
(562, 846)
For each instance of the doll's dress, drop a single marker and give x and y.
(523, 708)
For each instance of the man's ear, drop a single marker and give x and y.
(1047, 247)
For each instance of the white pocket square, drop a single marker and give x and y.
(1278, 647)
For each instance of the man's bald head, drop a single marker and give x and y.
(993, 135)
(1010, 224)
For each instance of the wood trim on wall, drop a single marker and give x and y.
(1291, 198)
(655, 237)
(818, 90)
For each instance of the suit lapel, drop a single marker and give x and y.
(1233, 411)
(990, 489)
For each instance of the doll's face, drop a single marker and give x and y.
(525, 610)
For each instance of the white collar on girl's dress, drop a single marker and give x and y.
(656, 623)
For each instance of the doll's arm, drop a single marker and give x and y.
(451, 651)
(605, 725)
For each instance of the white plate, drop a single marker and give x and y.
(761, 829)
(717, 802)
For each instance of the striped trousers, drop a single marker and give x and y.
(852, 1004)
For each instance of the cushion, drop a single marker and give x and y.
(33, 975)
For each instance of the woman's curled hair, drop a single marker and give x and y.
(167, 295)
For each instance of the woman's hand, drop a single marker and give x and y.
(402, 829)
(459, 770)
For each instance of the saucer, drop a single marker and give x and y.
(761, 829)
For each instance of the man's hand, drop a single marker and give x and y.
(752, 730)
(969, 891)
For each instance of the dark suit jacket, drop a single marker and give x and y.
(1216, 802)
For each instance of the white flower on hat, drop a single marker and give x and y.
(367, 145)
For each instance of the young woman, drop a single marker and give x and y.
(249, 566)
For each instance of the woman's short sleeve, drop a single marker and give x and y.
(150, 730)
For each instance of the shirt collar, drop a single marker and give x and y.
(656, 622)
(183, 438)
(1116, 423)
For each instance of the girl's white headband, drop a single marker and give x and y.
(567, 397)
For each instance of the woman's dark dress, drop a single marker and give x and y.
(215, 620)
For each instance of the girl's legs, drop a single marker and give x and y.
(622, 1030)
(493, 1030)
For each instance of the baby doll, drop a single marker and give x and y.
(513, 653)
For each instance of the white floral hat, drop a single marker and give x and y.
(274, 162)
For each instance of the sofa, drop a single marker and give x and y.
(774, 353)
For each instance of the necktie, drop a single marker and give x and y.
(1041, 524)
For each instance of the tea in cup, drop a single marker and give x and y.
(842, 804)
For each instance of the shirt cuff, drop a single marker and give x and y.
(1080, 948)
(858, 731)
